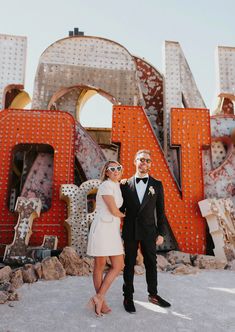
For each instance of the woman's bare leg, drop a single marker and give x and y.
(117, 266)
(98, 272)
(98, 275)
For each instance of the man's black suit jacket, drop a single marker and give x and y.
(143, 221)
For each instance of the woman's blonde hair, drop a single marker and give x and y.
(103, 175)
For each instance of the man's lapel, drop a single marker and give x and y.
(133, 189)
(147, 195)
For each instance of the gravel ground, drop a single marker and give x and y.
(201, 302)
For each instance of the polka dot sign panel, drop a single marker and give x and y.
(56, 129)
(190, 131)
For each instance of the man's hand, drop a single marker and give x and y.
(123, 181)
(159, 240)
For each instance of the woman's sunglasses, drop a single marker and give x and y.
(114, 168)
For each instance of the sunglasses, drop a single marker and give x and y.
(114, 168)
(142, 160)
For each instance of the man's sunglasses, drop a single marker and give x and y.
(142, 160)
(114, 168)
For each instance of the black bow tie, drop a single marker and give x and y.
(143, 179)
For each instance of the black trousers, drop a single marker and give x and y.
(148, 249)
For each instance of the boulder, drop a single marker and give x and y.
(139, 258)
(38, 270)
(16, 279)
(185, 269)
(71, 262)
(231, 265)
(87, 266)
(209, 262)
(29, 274)
(52, 269)
(162, 263)
(5, 274)
(3, 296)
(139, 269)
(13, 296)
(5, 286)
(178, 257)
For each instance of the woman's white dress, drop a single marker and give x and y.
(104, 237)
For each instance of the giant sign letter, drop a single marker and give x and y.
(37, 127)
(190, 131)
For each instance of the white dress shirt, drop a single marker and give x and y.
(141, 187)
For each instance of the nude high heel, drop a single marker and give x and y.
(96, 303)
(105, 308)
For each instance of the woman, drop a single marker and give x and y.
(104, 237)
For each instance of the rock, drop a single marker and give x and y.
(229, 251)
(13, 296)
(16, 279)
(38, 270)
(139, 269)
(52, 269)
(6, 286)
(173, 266)
(71, 262)
(139, 258)
(3, 296)
(5, 274)
(87, 265)
(162, 263)
(231, 265)
(209, 262)
(220, 264)
(178, 257)
(185, 269)
(193, 257)
(29, 274)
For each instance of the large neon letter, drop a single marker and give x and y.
(190, 131)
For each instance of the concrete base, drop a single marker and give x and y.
(201, 302)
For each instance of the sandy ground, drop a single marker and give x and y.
(201, 302)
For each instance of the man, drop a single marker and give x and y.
(143, 225)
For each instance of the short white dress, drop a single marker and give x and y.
(104, 237)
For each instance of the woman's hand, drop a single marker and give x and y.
(122, 215)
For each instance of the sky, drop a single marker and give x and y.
(140, 26)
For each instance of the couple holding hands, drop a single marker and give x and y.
(140, 202)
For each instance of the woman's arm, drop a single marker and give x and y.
(110, 202)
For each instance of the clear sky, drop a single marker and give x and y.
(140, 26)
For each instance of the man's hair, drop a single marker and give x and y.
(142, 151)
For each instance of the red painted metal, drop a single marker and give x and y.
(37, 127)
(191, 131)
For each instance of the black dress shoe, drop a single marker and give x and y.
(129, 306)
(156, 299)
